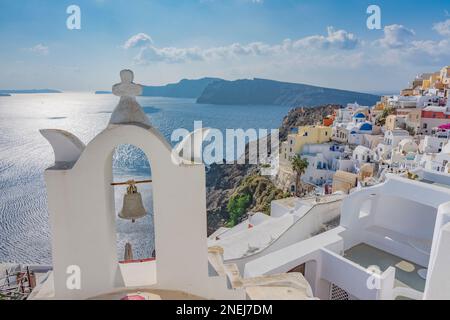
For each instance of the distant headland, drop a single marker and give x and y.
(183, 89)
(103, 92)
(14, 91)
(270, 92)
(257, 92)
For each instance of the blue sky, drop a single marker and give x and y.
(322, 42)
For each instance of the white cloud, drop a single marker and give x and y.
(396, 36)
(339, 39)
(429, 51)
(39, 49)
(399, 47)
(336, 58)
(138, 40)
(443, 28)
(334, 40)
(168, 54)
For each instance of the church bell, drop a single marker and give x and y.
(132, 208)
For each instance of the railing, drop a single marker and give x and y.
(355, 279)
(17, 285)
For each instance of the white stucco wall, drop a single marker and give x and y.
(82, 217)
(406, 217)
(438, 281)
(304, 228)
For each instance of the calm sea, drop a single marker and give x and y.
(25, 154)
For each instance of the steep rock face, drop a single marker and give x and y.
(269, 92)
(261, 192)
(183, 89)
(305, 116)
(223, 181)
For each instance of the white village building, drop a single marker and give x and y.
(323, 162)
(354, 130)
(405, 155)
(345, 115)
(433, 144)
(437, 162)
(362, 155)
(391, 140)
(417, 101)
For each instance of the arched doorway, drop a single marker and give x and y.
(293, 188)
(131, 163)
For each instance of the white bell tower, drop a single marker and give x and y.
(82, 212)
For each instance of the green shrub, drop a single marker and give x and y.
(237, 206)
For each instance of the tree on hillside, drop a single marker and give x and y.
(237, 206)
(381, 119)
(299, 166)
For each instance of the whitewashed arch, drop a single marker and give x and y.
(82, 215)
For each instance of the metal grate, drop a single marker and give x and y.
(336, 293)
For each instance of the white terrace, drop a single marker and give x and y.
(393, 242)
(291, 220)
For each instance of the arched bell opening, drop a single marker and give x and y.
(133, 200)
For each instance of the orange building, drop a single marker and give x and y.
(328, 121)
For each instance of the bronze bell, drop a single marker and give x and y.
(132, 208)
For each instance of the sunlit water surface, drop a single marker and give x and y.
(25, 154)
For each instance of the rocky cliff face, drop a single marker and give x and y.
(305, 116)
(222, 181)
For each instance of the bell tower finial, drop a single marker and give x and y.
(128, 110)
(127, 76)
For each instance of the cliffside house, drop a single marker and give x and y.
(300, 137)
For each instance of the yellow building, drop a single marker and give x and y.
(435, 77)
(412, 117)
(305, 135)
(407, 92)
(395, 121)
(445, 75)
(379, 107)
(344, 181)
(433, 81)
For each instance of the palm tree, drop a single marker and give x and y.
(299, 166)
